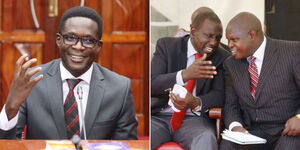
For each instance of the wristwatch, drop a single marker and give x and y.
(196, 110)
(298, 116)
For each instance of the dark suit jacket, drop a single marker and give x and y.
(277, 94)
(109, 112)
(170, 57)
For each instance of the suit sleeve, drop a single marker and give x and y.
(127, 122)
(231, 106)
(16, 132)
(296, 71)
(160, 78)
(10, 134)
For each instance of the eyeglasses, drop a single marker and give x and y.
(71, 39)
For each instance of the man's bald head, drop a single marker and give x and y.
(201, 14)
(245, 22)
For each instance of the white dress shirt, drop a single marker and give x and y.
(65, 74)
(259, 57)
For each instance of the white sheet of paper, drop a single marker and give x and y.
(179, 90)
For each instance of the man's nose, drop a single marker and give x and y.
(213, 42)
(78, 45)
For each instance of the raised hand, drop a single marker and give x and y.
(21, 85)
(292, 127)
(199, 69)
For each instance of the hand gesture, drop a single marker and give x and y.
(21, 85)
(292, 127)
(199, 69)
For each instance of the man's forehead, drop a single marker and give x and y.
(79, 21)
(81, 25)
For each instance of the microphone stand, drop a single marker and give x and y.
(80, 95)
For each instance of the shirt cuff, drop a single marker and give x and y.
(6, 124)
(234, 124)
(179, 79)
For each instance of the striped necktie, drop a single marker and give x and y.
(71, 110)
(253, 73)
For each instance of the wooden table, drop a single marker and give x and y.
(41, 144)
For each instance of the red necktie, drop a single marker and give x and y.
(71, 110)
(178, 117)
(252, 68)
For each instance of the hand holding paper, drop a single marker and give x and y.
(181, 92)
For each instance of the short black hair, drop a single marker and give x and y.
(201, 14)
(80, 11)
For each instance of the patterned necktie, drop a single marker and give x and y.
(178, 117)
(252, 68)
(71, 110)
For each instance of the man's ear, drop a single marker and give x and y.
(252, 34)
(100, 43)
(192, 30)
(58, 39)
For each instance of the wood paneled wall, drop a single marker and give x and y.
(125, 36)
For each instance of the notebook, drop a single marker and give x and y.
(242, 138)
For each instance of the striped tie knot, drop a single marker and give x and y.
(252, 59)
(72, 83)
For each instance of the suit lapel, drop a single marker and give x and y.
(243, 78)
(181, 57)
(55, 96)
(270, 59)
(95, 97)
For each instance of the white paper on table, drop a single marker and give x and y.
(177, 90)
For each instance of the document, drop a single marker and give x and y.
(177, 90)
(107, 146)
(242, 138)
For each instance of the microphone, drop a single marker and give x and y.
(76, 141)
(80, 95)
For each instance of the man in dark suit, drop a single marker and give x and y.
(173, 63)
(262, 86)
(44, 98)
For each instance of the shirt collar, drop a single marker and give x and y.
(260, 52)
(65, 74)
(190, 49)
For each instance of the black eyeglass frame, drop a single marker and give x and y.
(64, 36)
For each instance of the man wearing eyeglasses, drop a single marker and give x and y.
(51, 100)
